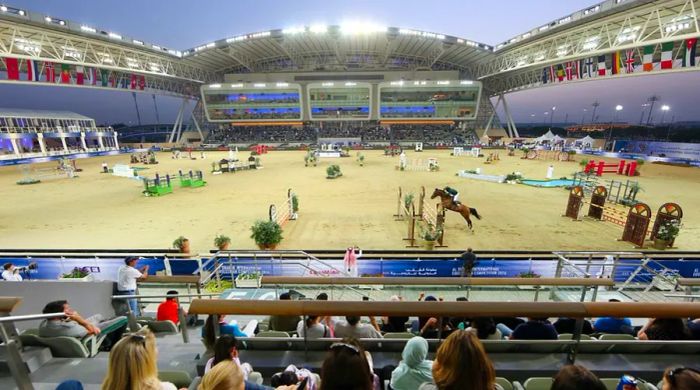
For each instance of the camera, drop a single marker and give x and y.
(29, 267)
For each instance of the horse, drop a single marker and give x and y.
(462, 209)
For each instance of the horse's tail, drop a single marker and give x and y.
(474, 213)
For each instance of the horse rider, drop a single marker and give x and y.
(454, 194)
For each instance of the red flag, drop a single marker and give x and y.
(142, 82)
(79, 75)
(133, 81)
(65, 73)
(569, 71)
(50, 73)
(12, 68)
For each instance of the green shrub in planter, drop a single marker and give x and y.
(222, 242)
(266, 234)
(333, 172)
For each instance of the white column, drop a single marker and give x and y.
(116, 143)
(102, 144)
(42, 144)
(15, 147)
(82, 141)
(65, 145)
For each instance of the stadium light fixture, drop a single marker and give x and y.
(619, 107)
(238, 85)
(137, 42)
(259, 85)
(443, 82)
(47, 19)
(466, 82)
(114, 35)
(397, 83)
(294, 30)
(3, 8)
(282, 85)
(210, 45)
(350, 84)
(355, 28)
(665, 108)
(318, 28)
(88, 29)
(215, 86)
(327, 84)
(21, 12)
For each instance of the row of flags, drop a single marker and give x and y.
(623, 62)
(51, 72)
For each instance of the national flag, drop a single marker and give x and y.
(124, 82)
(79, 75)
(91, 76)
(616, 63)
(589, 67)
(648, 58)
(552, 73)
(560, 72)
(545, 75)
(50, 70)
(104, 77)
(569, 71)
(133, 81)
(65, 73)
(32, 70)
(142, 82)
(629, 61)
(113, 80)
(667, 55)
(689, 53)
(602, 68)
(12, 66)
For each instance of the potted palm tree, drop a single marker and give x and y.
(77, 275)
(182, 244)
(430, 235)
(295, 207)
(222, 242)
(266, 234)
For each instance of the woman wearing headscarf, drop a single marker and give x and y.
(414, 369)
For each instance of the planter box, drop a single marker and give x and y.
(248, 283)
(88, 278)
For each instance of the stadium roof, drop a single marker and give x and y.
(40, 114)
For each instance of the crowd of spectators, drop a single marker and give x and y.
(250, 134)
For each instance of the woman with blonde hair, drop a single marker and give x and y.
(225, 375)
(461, 364)
(133, 365)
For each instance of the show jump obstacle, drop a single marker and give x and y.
(406, 211)
(286, 212)
(163, 185)
(623, 168)
(634, 222)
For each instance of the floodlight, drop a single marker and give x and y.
(3, 8)
(318, 28)
(88, 29)
(215, 86)
(282, 84)
(114, 35)
(259, 85)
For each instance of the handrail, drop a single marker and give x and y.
(30, 317)
(449, 309)
(688, 281)
(8, 304)
(427, 281)
(188, 279)
(138, 297)
(272, 254)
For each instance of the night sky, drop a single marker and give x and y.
(180, 24)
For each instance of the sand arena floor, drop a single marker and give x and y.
(103, 211)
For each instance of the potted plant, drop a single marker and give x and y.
(513, 178)
(361, 159)
(217, 286)
(430, 236)
(295, 207)
(182, 243)
(525, 152)
(583, 162)
(266, 234)
(249, 280)
(668, 231)
(333, 172)
(640, 162)
(408, 200)
(222, 242)
(77, 275)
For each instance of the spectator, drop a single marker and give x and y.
(10, 273)
(225, 349)
(535, 329)
(429, 326)
(461, 363)
(224, 376)
(664, 329)
(468, 262)
(394, 324)
(460, 322)
(284, 323)
(568, 325)
(694, 328)
(353, 328)
(329, 321)
(312, 328)
(346, 368)
(126, 281)
(74, 325)
(414, 369)
(681, 378)
(170, 308)
(613, 325)
(507, 324)
(573, 377)
(133, 364)
(225, 328)
(485, 329)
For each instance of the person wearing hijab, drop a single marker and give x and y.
(414, 369)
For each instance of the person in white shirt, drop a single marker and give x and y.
(10, 273)
(353, 328)
(126, 281)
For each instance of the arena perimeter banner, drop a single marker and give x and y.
(106, 268)
(674, 150)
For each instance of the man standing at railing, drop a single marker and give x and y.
(469, 260)
(126, 281)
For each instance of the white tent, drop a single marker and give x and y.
(585, 142)
(557, 139)
(546, 137)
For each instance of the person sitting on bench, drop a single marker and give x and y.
(72, 324)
